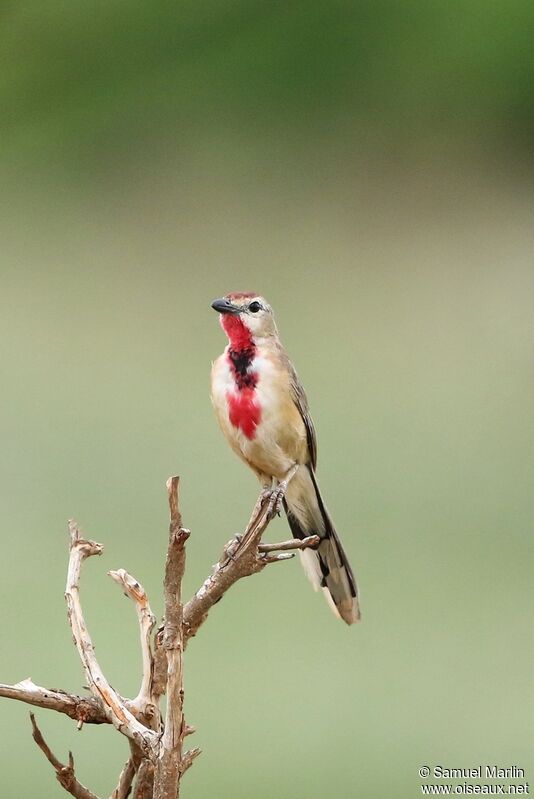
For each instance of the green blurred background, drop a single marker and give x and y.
(368, 167)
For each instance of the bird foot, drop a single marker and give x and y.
(275, 496)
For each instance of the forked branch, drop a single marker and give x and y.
(114, 706)
(157, 759)
(65, 774)
(144, 702)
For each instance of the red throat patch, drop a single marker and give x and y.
(238, 333)
(243, 409)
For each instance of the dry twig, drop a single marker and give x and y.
(116, 709)
(85, 710)
(126, 778)
(64, 774)
(187, 759)
(243, 555)
(144, 702)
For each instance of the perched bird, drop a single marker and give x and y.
(263, 412)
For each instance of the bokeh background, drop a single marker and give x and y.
(368, 167)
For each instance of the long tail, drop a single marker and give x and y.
(326, 566)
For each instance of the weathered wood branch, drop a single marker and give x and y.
(168, 768)
(65, 774)
(242, 557)
(116, 710)
(144, 702)
(294, 543)
(126, 778)
(144, 785)
(85, 710)
(157, 759)
(188, 757)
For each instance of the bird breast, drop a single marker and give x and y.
(258, 417)
(242, 392)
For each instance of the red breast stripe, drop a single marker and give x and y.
(243, 408)
(244, 411)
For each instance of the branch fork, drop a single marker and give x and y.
(157, 758)
(65, 774)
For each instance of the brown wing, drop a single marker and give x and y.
(301, 401)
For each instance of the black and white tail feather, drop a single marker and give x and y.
(326, 566)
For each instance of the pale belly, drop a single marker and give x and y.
(270, 434)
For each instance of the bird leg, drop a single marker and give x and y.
(267, 489)
(277, 493)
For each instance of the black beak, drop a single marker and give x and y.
(225, 306)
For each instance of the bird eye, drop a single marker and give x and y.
(254, 307)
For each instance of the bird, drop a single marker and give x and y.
(263, 411)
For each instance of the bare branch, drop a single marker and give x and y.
(241, 558)
(159, 676)
(126, 777)
(144, 701)
(115, 707)
(168, 768)
(144, 785)
(86, 710)
(278, 558)
(294, 543)
(187, 759)
(64, 774)
(157, 760)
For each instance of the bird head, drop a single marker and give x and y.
(245, 317)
